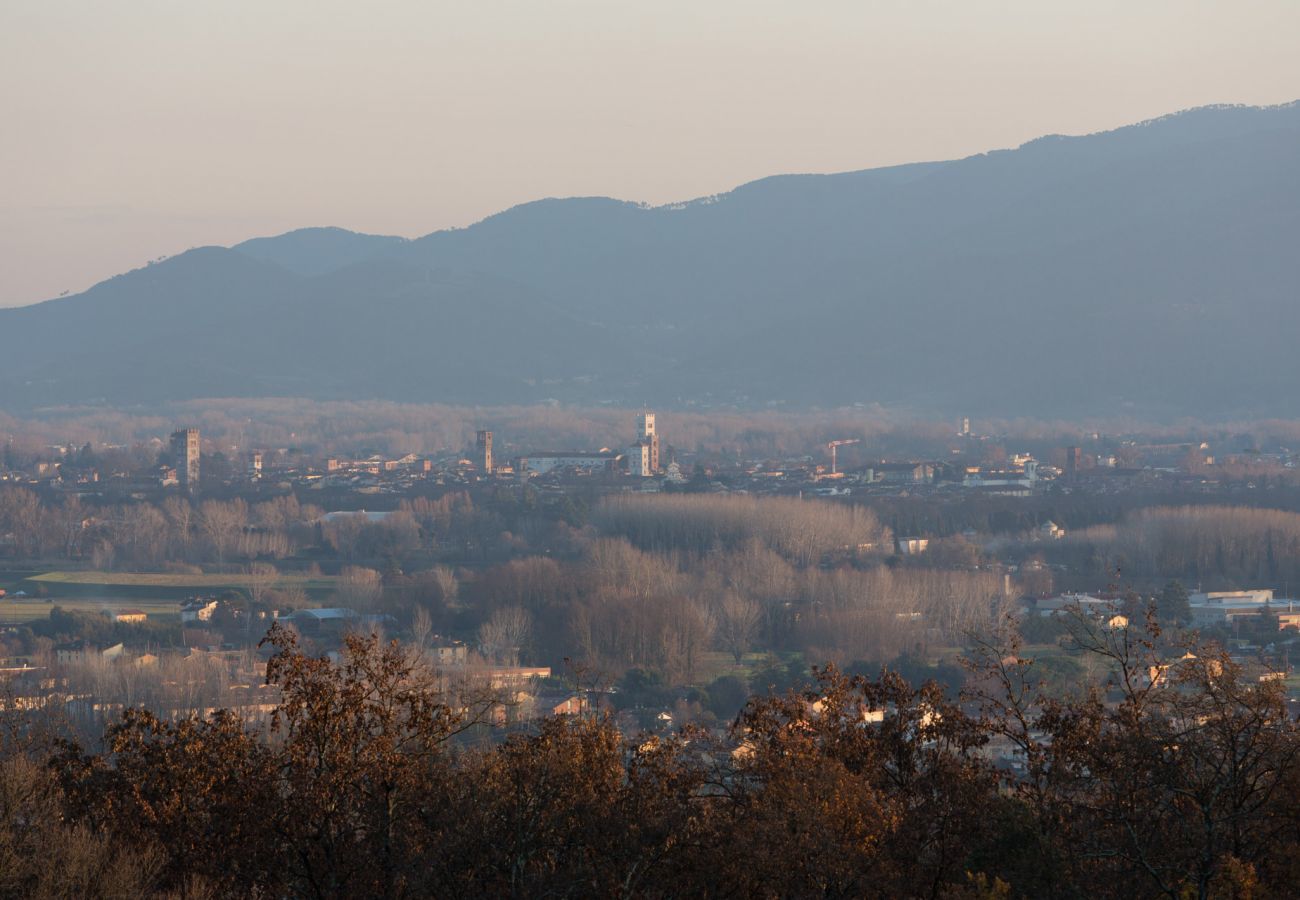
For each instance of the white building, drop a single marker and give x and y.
(639, 460)
(1223, 607)
(198, 610)
(1212, 598)
(541, 463)
(1096, 607)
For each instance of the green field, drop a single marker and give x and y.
(16, 612)
(716, 663)
(12, 579)
(197, 582)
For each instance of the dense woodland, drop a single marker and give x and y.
(369, 782)
(647, 582)
(1235, 545)
(652, 584)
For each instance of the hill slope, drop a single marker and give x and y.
(1152, 269)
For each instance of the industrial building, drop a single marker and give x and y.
(541, 463)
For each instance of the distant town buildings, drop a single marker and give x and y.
(1073, 462)
(83, 651)
(185, 453)
(904, 473)
(483, 444)
(638, 460)
(647, 436)
(913, 546)
(541, 463)
(641, 459)
(198, 609)
(1210, 609)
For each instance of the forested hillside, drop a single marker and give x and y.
(1073, 275)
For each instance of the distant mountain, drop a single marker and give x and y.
(1152, 270)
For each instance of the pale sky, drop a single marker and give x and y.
(136, 129)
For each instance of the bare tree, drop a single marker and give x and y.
(222, 524)
(504, 633)
(104, 554)
(20, 515)
(359, 588)
(446, 580)
(71, 520)
(261, 577)
(738, 622)
(343, 533)
(290, 597)
(142, 533)
(421, 628)
(180, 514)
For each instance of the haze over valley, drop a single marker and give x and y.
(478, 494)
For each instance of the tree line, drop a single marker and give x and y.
(654, 583)
(803, 532)
(1172, 780)
(1217, 545)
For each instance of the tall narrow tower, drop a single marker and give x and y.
(1073, 462)
(185, 451)
(645, 432)
(484, 447)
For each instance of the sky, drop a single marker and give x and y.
(131, 131)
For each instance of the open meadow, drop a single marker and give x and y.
(24, 610)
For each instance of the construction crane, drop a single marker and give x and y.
(835, 445)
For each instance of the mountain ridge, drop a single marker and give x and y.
(935, 285)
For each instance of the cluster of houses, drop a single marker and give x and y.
(1208, 609)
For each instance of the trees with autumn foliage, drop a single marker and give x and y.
(1178, 778)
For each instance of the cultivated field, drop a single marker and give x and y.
(17, 612)
(197, 582)
(158, 594)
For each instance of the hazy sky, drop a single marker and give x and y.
(134, 129)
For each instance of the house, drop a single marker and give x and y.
(130, 616)
(499, 677)
(83, 651)
(913, 546)
(197, 609)
(1001, 480)
(1158, 674)
(904, 473)
(450, 653)
(1096, 607)
(561, 705)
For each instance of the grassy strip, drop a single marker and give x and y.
(157, 579)
(20, 611)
